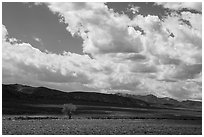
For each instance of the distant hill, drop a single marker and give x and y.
(16, 98)
(164, 102)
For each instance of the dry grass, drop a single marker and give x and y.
(100, 127)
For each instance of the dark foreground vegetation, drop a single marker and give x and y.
(28, 110)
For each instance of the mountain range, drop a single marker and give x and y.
(15, 95)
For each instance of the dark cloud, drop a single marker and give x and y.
(166, 60)
(188, 71)
(137, 57)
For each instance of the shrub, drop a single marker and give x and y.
(68, 109)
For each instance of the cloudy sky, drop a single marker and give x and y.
(134, 48)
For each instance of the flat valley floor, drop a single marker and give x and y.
(77, 126)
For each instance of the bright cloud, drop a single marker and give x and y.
(133, 9)
(165, 60)
(28, 63)
(103, 30)
(38, 40)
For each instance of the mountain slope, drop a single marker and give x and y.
(19, 99)
(165, 102)
(42, 95)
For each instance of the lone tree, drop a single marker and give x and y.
(68, 109)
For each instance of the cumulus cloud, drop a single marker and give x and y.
(133, 9)
(103, 30)
(182, 5)
(163, 57)
(28, 63)
(185, 89)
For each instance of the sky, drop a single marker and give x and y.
(128, 47)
